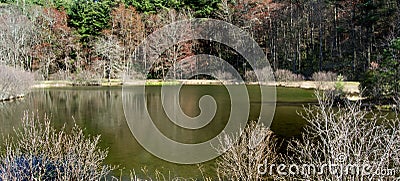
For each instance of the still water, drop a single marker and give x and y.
(100, 111)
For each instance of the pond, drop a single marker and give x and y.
(100, 111)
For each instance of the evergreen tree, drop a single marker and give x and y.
(89, 18)
(202, 8)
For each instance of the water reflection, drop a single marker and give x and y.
(100, 111)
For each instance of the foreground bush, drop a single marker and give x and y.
(14, 82)
(243, 154)
(39, 152)
(340, 142)
(345, 143)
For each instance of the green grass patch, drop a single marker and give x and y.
(161, 83)
(285, 94)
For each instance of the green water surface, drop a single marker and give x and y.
(100, 111)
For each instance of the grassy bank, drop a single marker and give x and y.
(349, 87)
(66, 83)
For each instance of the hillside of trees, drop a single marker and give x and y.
(61, 39)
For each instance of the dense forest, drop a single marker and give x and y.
(61, 39)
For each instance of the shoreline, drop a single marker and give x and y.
(349, 87)
(11, 98)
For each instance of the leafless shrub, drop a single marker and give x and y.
(60, 75)
(347, 140)
(224, 75)
(243, 154)
(37, 76)
(131, 74)
(324, 76)
(264, 75)
(250, 76)
(282, 75)
(87, 77)
(157, 175)
(14, 82)
(39, 152)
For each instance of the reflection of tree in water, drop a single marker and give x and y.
(11, 110)
(98, 110)
(89, 107)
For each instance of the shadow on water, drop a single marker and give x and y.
(100, 111)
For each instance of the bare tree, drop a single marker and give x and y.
(128, 27)
(18, 36)
(110, 51)
(178, 51)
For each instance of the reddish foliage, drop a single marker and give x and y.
(59, 20)
(57, 40)
(127, 26)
